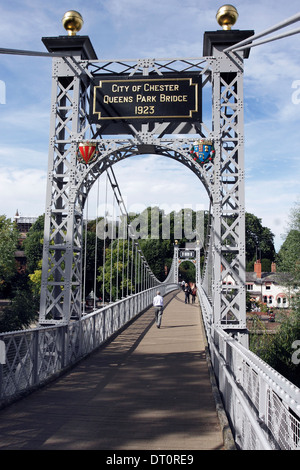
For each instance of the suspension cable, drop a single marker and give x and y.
(282, 24)
(85, 255)
(120, 201)
(123, 254)
(111, 250)
(96, 245)
(136, 263)
(127, 273)
(118, 251)
(104, 242)
(34, 53)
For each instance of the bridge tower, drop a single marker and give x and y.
(187, 254)
(227, 255)
(78, 78)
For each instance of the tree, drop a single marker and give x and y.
(22, 311)
(295, 217)
(187, 272)
(116, 272)
(23, 308)
(93, 254)
(8, 245)
(36, 280)
(33, 245)
(158, 253)
(279, 350)
(259, 243)
(289, 254)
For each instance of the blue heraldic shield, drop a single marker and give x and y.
(203, 151)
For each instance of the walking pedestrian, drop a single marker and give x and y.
(194, 292)
(158, 304)
(187, 291)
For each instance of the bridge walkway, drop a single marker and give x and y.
(148, 389)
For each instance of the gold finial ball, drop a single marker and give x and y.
(72, 22)
(227, 16)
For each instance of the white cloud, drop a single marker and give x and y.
(24, 190)
(22, 158)
(155, 180)
(27, 119)
(271, 200)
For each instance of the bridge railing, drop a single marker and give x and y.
(262, 406)
(30, 358)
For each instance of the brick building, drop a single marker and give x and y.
(267, 287)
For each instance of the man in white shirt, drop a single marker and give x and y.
(158, 304)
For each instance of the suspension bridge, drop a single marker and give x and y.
(107, 378)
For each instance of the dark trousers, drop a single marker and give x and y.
(158, 315)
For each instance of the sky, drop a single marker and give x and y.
(132, 29)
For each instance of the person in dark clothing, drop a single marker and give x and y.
(187, 291)
(194, 293)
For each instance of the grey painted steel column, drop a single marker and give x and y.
(228, 198)
(62, 260)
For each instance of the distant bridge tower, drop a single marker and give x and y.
(187, 254)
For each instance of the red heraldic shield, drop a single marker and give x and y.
(87, 152)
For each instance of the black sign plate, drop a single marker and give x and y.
(187, 254)
(164, 99)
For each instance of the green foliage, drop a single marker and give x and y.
(23, 309)
(20, 314)
(278, 350)
(8, 244)
(33, 244)
(93, 248)
(187, 272)
(116, 272)
(36, 280)
(260, 339)
(289, 256)
(25, 301)
(259, 243)
(158, 253)
(289, 253)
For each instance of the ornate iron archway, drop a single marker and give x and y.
(217, 76)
